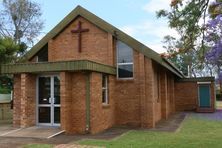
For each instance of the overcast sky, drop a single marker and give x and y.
(135, 17)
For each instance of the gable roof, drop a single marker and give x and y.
(120, 35)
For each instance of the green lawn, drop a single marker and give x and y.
(195, 133)
(38, 146)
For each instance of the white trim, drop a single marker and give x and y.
(56, 134)
(131, 63)
(106, 89)
(12, 131)
(203, 82)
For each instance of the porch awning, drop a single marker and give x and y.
(84, 65)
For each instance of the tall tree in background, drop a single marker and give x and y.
(188, 18)
(20, 20)
(20, 24)
(214, 38)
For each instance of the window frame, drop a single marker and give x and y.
(106, 89)
(120, 64)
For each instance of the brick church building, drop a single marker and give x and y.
(86, 76)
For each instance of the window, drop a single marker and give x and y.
(124, 61)
(105, 89)
(42, 55)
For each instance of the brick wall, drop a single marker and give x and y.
(73, 105)
(66, 101)
(16, 100)
(96, 44)
(170, 94)
(24, 111)
(127, 94)
(73, 96)
(102, 116)
(150, 100)
(186, 95)
(157, 96)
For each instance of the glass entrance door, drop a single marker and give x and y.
(48, 100)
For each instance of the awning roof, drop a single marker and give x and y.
(83, 65)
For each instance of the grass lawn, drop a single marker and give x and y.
(195, 133)
(38, 146)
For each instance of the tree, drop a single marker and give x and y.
(20, 20)
(214, 38)
(20, 24)
(178, 59)
(9, 50)
(8, 53)
(188, 18)
(214, 35)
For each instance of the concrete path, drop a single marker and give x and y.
(34, 132)
(209, 116)
(6, 127)
(171, 124)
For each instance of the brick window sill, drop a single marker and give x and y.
(125, 80)
(104, 105)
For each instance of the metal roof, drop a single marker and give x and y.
(84, 65)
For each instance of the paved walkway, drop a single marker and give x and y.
(33, 132)
(209, 116)
(171, 124)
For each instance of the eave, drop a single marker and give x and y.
(80, 65)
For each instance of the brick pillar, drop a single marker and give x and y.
(172, 95)
(147, 93)
(66, 101)
(28, 100)
(143, 101)
(163, 94)
(16, 100)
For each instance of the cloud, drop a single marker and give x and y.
(150, 33)
(155, 5)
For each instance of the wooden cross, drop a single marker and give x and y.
(79, 31)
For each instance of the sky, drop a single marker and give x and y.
(135, 17)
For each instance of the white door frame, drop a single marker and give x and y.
(51, 106)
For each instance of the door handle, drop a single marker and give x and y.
(50, 99)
